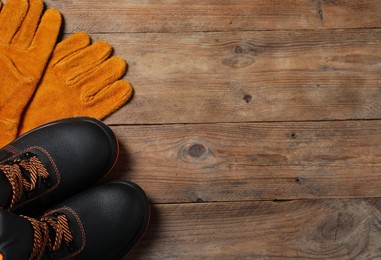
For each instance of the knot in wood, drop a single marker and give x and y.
(247, 98)
(197, 150)
(238, 49)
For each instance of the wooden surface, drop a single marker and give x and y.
(255, 124)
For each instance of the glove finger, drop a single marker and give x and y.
(46, 34)
(24, 35)
(98, 78)
(70, 45)
(109, 99)
(11, 17)
(86, 59)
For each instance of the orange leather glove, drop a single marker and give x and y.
(81, 79)
(26, 43)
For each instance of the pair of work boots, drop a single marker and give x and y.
(59, 161)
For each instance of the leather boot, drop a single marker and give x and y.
(103, 222)
(55, 161)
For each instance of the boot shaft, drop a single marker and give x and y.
(16, 236)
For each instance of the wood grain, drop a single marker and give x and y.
(256, 161)
(250, 76)
(255, 124)
(97, 16)
(330, 229)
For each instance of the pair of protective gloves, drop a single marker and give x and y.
(41, 81)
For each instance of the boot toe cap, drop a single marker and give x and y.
(114, 217)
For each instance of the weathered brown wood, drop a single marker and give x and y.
(231, 15)
(258, 161)
(196, 64)
(250, 76)
(247, 52)
(329, 229)
(271, 96)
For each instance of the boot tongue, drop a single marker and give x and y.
(5, 190)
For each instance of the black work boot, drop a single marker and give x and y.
(55, 161)
(103, 222)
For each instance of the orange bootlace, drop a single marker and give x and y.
(23, 174)
(42, 228)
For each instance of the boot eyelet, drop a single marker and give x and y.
(70, 247)
(9, 163)
(47, 183)
(53, 255)
(30, 194)
(26, 156)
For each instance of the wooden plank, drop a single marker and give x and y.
(328, 229)
(250, 76)
(247, 52)
(258, 161)
(97, 16)
(268, 96)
